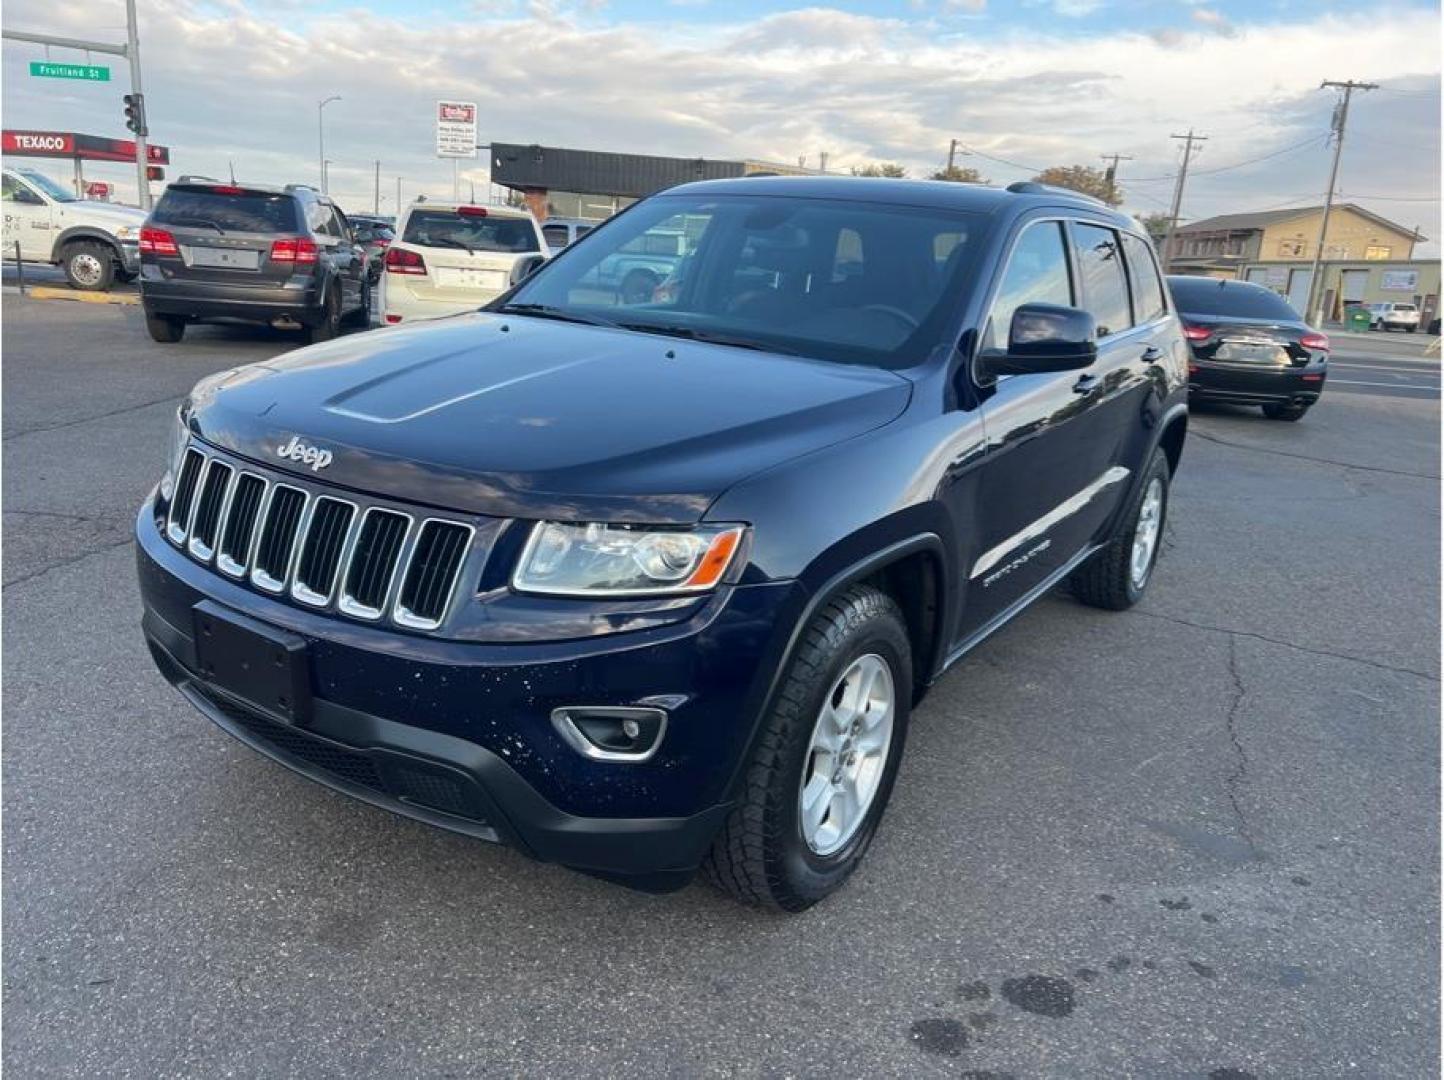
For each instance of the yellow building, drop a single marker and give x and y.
(1219, 246)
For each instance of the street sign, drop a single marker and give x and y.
(88, 72)
(456, 129)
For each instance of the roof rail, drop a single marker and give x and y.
(196, 178)
(1032, 187)
(308, 187)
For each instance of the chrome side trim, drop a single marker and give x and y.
(304, 593)
(1067, 508)
(568, 730)
(347, 605)
(399, 613)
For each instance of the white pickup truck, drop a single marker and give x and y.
(95, 243)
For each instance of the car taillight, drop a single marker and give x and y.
(471, 211)
(294, 249)
(227, 189)
(401, 261)
(157, 242)
(1315, 341)
(393, 319)
(1197, 333)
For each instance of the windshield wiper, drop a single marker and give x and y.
(709, 338)
(547, 311)
(206, 222)
(449, 242)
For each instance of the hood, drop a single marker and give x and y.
(88, 211)
(522, 417)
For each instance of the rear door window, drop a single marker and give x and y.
(1100, 268)
(1143, 279)
(244, 212)
(475, 232)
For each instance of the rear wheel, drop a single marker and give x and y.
(167, 329)
(330, 324)
(1116, 576)
(362, 315)
(825, 760)
(1282, 411)
(89, 265)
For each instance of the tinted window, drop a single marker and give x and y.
(1037, 273)
(249, 212)
(834, 279)
(1100, 266)
(47, 185)
(556, 235)
(447, 228)
(1240, 299)
(1148, 301)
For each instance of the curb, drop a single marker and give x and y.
(45, 292)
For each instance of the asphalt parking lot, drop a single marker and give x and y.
(1198, 839)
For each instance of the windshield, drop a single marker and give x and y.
(245, 212)
(476, 232)
(1208, 296)
(47, 185)
(858, 282)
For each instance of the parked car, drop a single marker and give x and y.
(1249, 347)
(374, 233)
(1394, 317)
(452, 257)
(641, 589)
(282, 256)
(95, 243)
(563, 232)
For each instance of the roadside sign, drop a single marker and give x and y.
(1399, 280)
(89, 72)
(456, 129)
(71, 144)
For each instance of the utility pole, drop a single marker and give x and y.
(1110, 177)
(142, 155)
(376, 199)
(320, 134)
(1313, 310)
(398, 198)
(822, 161)
(1188, 141)
(952, 155)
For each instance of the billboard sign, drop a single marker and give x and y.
(1399, 280)
(456, 129)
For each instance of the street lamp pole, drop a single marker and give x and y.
(321, 136)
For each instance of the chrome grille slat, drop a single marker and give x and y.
(316, 548)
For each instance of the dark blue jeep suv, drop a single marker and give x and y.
(647, 583)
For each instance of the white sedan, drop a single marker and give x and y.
(452, 257)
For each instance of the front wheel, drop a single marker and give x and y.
(823, 765)
(1116, 576)
(89, 265)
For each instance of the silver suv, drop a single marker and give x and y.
(1394, 317)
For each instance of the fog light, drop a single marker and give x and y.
(612, 732)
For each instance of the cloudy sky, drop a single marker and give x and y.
(1023, 85)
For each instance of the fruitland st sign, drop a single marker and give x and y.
(88, 72)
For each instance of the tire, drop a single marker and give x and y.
(167, 329)
(88, 265)
(362, 315)
(1108, 579)
(638, 287)
(330, 324)
(761, 855)
(1285, 412)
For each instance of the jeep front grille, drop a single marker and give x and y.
(314, 547)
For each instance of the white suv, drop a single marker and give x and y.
(1394, 317)
(93, 242)
(452, 257)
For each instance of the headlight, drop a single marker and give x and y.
(179, 436)
(125, 232)
(624, 560)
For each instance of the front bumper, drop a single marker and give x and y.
(224, 300)
(1255, 384)
(459, 734)
(130, 256)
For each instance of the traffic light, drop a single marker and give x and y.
(135, 113)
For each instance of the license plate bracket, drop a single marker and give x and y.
(224, 258)
(263, 666)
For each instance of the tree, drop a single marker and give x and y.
(880, 168)
(959, 174)
(1157, 225)
(1083, 178)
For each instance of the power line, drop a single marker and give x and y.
(1312, 140)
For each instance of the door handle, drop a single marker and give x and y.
(1152, 354)
(1086, 384)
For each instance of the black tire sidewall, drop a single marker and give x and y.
(806, 874)
(1157, 467)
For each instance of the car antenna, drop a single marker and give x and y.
(232, 165)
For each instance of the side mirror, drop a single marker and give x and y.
(525, 268)
(1044, 338)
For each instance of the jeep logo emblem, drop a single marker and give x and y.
(296, 450)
